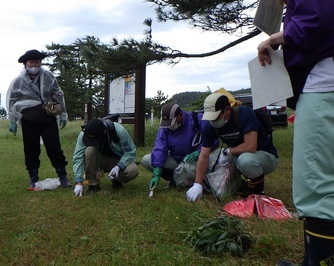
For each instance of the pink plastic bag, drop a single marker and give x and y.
(265, 207)
(271, 208)
(242, 208)
(291, 118)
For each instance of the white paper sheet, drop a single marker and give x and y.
(271, 83)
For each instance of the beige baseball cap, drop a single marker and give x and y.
(213, 105)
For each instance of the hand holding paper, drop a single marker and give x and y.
(263, 53)
(270, 83)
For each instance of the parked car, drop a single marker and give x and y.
(277, 113)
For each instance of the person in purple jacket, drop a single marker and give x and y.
(178, 139)
(307, 41)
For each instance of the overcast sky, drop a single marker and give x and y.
(29, 25)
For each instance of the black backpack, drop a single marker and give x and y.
(262, 116)
(195, 117)
(109, 123)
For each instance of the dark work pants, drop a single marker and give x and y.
(49, 132)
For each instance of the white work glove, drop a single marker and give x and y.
(195, 192)
(78, 190)
(114, 173)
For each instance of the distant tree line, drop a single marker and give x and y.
(189, 101)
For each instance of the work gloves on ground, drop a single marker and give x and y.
(63, 120)
(192, 157)
(155, 177)
(78, 190)
(13, 127)
(114, 173)
(195, 192)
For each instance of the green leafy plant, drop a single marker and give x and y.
(221, 235)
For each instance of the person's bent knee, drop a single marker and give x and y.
(90, 151)
(130, 172)
(248, 167)
(146, 162)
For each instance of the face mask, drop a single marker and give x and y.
(174, 127)
(33, 70)
(218, 123)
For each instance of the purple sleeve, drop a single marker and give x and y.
(306, 22)
(160, 149)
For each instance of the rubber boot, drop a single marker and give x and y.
(61, 172)
(256, 185)
(318, 242)
(33, 174)
(167, 174)
(251, 186)
(93, 189)
(116, 184)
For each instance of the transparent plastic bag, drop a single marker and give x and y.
(225, 180)
(48, 183)
(214, 156)
(184, 175)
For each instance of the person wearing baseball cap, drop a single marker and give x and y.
(103, 146)
(178, 139)
(26, 96)
(244, 138)
(169, 115)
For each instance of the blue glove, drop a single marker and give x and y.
(13, 127)
(155, 177)
(192, 157)
(62, 120)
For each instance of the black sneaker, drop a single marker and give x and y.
(116, 184)
(93, 189)
(65, 182)
(171, 184)
(244, 190)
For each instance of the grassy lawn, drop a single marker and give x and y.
(126, 227)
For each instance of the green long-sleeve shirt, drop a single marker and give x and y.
(125, 149)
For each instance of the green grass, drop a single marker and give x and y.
(126, 227)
